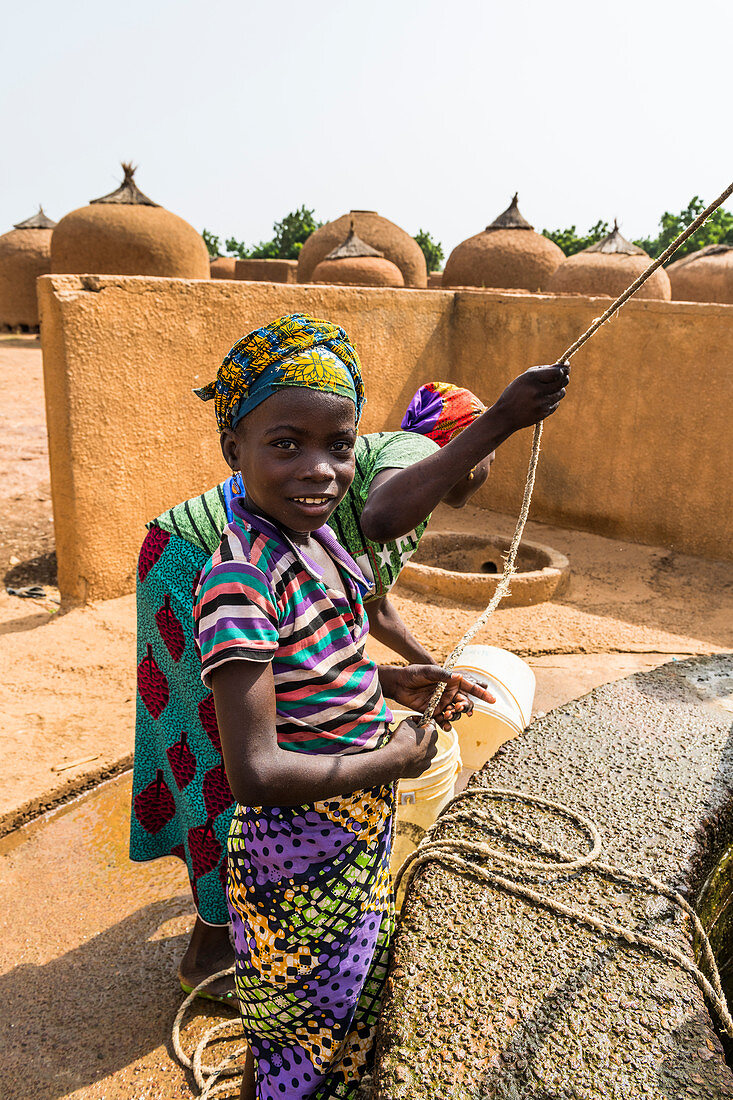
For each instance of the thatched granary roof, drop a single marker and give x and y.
(608, 267)
(126, 233)
(381, 234)
(37, 221)
(356, 263)
(511, 218)
(25, 253)
(704, 276)
(507, 254)
(128, 193)
(613, 242)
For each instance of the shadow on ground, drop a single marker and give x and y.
(89, 1013)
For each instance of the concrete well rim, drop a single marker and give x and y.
(528, 587)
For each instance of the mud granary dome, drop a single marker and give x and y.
(704, 276)
(25, 253)
(394, 243)
(608, 267)
(126, 233)
(508, 254)
(356, 263)
(222, 267)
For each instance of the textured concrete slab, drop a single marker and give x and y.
(492, 996)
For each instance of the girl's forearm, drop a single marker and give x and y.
(260, 773)
(399, 504)
(286, 778)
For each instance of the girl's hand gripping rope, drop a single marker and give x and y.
(533, 395)
(413, 687)
(414, 746)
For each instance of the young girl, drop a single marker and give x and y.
(280, 624)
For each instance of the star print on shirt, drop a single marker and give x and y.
(385, 558)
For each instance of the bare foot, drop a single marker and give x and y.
(209, 951)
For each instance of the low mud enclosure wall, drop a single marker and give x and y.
(494, 995)
(639, 451)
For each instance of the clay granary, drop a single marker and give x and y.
(356, 263)
(704, 276)
(126, 233)
(394, 243)
(25, 253)
(507, 254)
(608, 267)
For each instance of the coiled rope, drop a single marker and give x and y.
(471, 857)
(452, 852)
(208, 1077)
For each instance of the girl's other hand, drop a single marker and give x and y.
(533, 395)
(416, 746)
(413, 687)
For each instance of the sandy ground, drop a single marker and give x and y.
(90, 991)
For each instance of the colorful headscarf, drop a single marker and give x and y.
(296, 350)
(440, 411)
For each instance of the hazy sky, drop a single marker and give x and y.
(430, 111)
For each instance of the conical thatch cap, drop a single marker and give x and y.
(511, 218)
(38, 221)
(352, 248)
(614, 242)
(128, 193)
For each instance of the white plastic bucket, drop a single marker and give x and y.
(513, 683)
(419, 801)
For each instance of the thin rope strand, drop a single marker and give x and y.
(503, 586)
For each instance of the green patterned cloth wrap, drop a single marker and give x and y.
(296, 350)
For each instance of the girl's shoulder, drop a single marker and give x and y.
(248, 553)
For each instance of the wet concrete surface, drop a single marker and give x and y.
(89, 948)
(494, 996)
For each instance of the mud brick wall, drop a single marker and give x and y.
(642, 449)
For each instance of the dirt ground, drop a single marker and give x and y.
(90, 992)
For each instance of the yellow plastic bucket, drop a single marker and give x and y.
(512, 681)
(419, 801)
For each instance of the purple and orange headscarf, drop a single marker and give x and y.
(440, 411)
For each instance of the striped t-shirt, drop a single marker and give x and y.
(261, 598)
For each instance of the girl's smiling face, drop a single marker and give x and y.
(296, 454)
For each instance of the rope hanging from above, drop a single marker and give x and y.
(503, 586)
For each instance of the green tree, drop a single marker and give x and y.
(212, 243)
(718, 229)
(236, 248)
(432, 250)
(571, 241)
(289, 236)
(293, 231)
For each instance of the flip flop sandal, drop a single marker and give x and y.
(229, 999)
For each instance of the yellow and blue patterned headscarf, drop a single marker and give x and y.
(296, 350)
